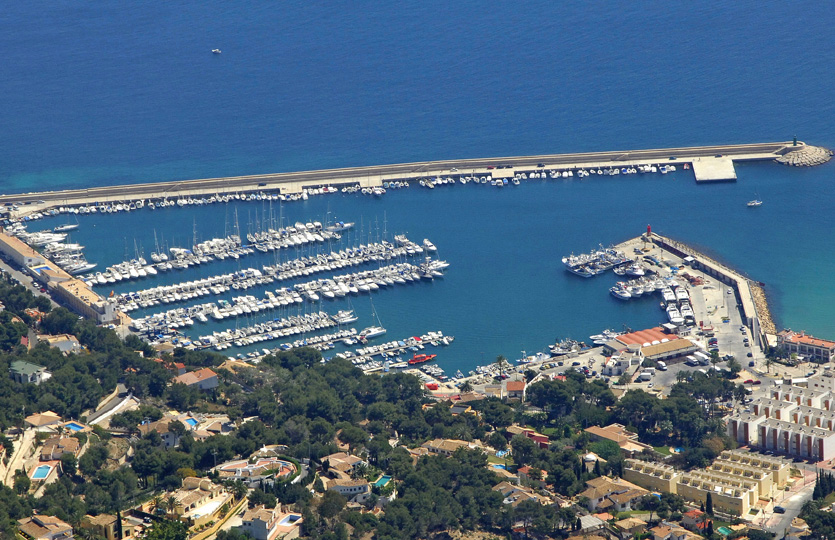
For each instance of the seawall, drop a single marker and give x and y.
(714, 160)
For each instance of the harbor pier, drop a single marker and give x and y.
(710, 163)
(749, 293)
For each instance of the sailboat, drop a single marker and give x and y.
(372, 331)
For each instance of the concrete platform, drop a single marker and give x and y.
(714, 169)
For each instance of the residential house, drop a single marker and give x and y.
(344, 462)
(44, 421)
(516, 390)
(26, 372)
(630, 527)
(199, 501)
(525, 475)
(541, 440)
(271, 524)
(445, 447)
(461, 408)
(106, 526)
(204, 379)
(514, 494)
(353, 490)
(54, 448)
(66, 343)
(625, 439)
(692, 519)
(163, 428)
(43, 527)
(590, 524)
(612, 494)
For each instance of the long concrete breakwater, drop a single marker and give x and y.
(711, 162)
(749, 293)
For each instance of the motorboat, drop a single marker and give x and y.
(215, 51)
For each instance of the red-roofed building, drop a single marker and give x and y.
(541, 440)
(516, 390)
(653, 344)
(693, 519)
(204, 379)
(811, 348)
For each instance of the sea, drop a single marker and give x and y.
(102, 93)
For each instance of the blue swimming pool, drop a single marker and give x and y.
(73, 426)
(191, 421)
(41, 472)
(499, 466)
(289, 520)
(382, 481)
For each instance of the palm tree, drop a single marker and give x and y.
(158, 504)
(171, 504)
(501, 363)
(466, 387)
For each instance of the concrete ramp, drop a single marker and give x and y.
(714, 169)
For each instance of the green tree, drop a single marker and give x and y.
(69, 464)
(709, 504)
(168, 530)
(332, 503)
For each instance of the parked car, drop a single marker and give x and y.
(779, 510)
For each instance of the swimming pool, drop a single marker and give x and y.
(499, 466)
(191, 421)
(289, 520)
(41, 472)
(73, 426)
(382, 481)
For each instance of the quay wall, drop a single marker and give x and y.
(755, 311)
(371, 176)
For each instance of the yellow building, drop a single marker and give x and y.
(652, 476)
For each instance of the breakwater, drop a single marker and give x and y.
(752, 300)
(374, 176)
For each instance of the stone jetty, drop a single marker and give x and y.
(806, 156)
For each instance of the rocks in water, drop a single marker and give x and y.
(806, 156)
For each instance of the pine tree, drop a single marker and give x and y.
(578, 524)
(709, 504)
(709, 530)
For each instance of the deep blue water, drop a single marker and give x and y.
(110, 92)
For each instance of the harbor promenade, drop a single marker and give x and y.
(713, 163)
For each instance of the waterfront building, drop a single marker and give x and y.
(806, 346)
(788, 419)
(654, 344)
